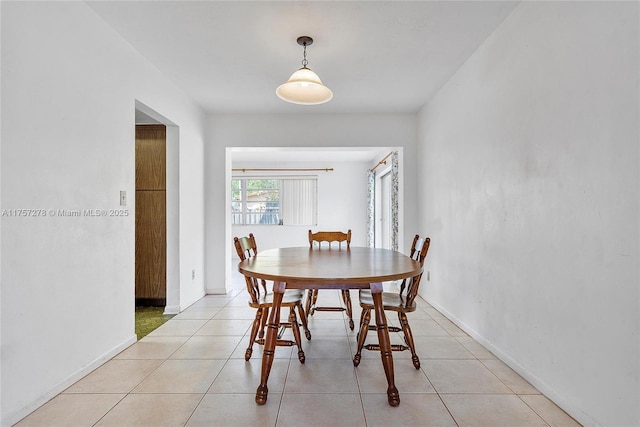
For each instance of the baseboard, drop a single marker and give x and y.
(12, 418)
(566, 405)
(172, 309)
(216, 291)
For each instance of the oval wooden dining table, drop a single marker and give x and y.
(329, 268)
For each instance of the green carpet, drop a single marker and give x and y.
(148, 319)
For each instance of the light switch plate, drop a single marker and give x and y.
(123, 198)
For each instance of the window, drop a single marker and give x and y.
(274, 200)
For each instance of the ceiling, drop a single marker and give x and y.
(376, 56)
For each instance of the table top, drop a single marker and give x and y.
(331, 267)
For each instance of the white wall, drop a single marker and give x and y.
(531, 199)
(172, 153)
(69, 88)
(1, 205)
(297, 130)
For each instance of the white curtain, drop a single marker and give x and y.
(298, 201)
(371, 199)
(394, 201)
(371, 194)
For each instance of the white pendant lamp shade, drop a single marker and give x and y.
(304, 86)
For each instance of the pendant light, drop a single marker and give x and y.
(304, 86)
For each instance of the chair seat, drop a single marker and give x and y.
(290, 298)
(391, 301)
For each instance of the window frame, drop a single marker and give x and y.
(244, 202)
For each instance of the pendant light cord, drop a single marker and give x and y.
(304, 60)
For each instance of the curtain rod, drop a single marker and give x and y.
(381, 162)
(280, 169)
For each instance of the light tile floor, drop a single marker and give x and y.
(191, 372)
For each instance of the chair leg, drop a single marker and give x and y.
(346, 297)
(257, 322)
(308, 302)
(303, 319)
(296, 333)
(362, 334)
(408, 338)
(314, 300)
(263, 324)
(361, 320)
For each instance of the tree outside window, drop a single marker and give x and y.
(261, 201)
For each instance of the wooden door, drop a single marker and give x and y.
(151, 222)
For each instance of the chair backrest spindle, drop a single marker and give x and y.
(419, 249)
(330, 237)
(246, 248)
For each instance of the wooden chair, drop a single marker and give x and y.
(402, 302)
(312, 296)
(262, 301)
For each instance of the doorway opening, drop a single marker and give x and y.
(166, 292)
(358, 160)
